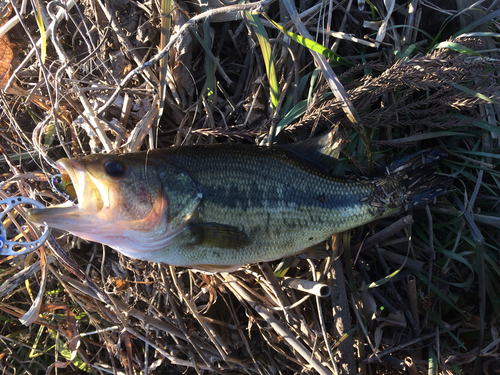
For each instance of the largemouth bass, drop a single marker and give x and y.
(218, 207)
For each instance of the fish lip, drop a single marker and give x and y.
(83, 182)
(76, 173)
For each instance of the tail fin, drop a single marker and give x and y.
(418, 174)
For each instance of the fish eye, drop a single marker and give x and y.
(114, 168)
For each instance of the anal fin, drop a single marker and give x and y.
(215, 268)
(317, 251)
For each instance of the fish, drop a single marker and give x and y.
(216, 208)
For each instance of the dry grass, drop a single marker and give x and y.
(98, 90)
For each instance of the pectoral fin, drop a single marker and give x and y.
(218, 235)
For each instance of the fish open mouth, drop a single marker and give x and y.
(69, 214)
(65, 168)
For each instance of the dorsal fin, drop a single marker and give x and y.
(323, 151)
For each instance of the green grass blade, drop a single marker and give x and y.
(50, 134)
(41, 26)
(457, 48)
(427, 35)
(432, 362)
(314, 78)
(455, 368)
(312, 45)
(420, 137)
(479, 123)
(471, 92)
(480, 34)
(382, 281)
(209, 63)
(267, 54)
(440, 294)
(285, 108)
(486, 18)
(208, 51)
(445, 327)
(296, 112)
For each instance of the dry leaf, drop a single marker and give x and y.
(120, 65)
(6, 53)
